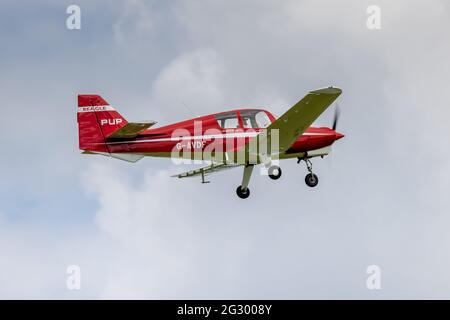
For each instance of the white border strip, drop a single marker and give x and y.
(95, 108)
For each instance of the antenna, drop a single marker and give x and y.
(188, 109)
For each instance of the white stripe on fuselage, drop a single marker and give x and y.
(212, 136)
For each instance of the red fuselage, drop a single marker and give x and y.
(197, 134)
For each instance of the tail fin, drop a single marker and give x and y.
(96, 121)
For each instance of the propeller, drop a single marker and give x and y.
(337, 112)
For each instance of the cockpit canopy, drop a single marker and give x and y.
(250, 119)
(228, 120)
(255, 119)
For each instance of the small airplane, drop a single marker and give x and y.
(230, 139)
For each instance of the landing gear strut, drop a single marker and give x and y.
(311, 179)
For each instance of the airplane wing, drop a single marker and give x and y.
(297, 119)
(213, 167)
(131, 129)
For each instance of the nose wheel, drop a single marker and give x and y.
(311, 179)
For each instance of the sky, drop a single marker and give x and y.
(137, 233)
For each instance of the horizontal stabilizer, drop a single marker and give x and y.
(129, 157)
(131, 130)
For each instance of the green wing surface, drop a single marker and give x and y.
(297, 119)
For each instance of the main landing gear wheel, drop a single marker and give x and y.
(243, 194)
(311, 180)
(274, 172)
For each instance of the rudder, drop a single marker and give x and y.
(96, 120)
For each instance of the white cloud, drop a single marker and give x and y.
(191, 83)
(136, 18)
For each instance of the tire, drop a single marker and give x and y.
(274, 172)
(241, 194)
(311, 180)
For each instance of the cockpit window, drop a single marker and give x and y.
(228, 120)
(255, 119)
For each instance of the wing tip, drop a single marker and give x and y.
(329, 90)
